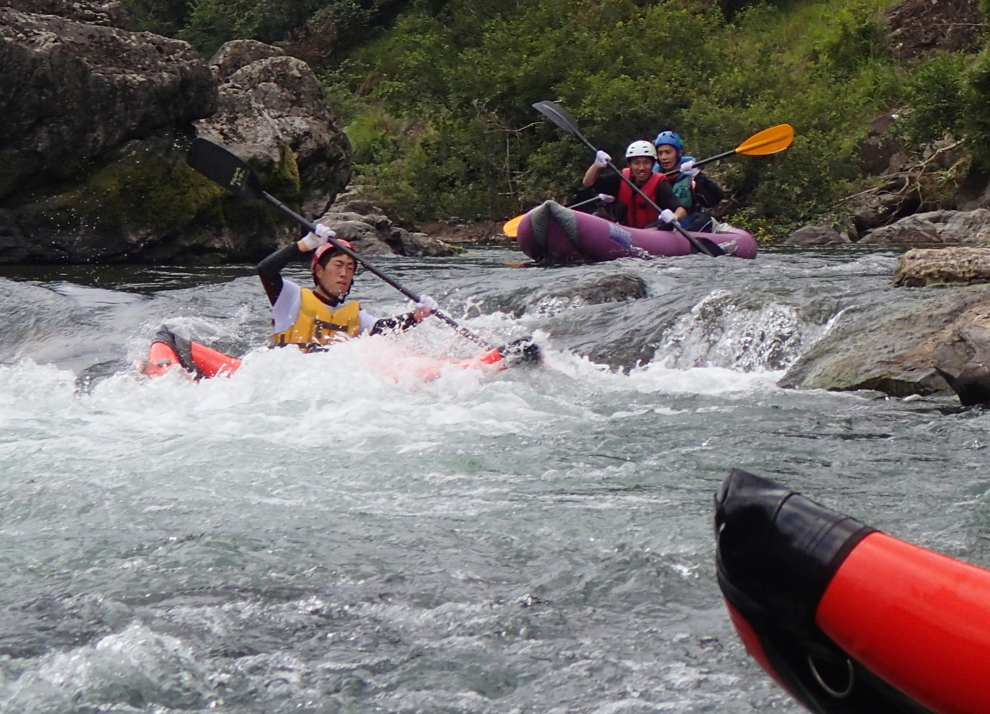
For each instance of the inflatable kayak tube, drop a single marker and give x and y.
(170, 351)
(844, 617)
(555, 233)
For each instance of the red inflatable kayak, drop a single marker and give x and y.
(844, 617)
(170, 351)
(555, 233)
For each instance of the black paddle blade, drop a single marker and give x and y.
(224, 168)
(713, 248)
(558, 116)
(522, 353)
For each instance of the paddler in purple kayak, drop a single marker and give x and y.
(693, 188)
(629, 208)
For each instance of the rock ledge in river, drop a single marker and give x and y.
(921, 267)
(892, 348)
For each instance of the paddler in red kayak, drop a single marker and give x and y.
(318, 316)
(630, 209)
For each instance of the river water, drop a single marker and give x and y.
(330, 533)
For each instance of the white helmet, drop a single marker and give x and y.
(641, 148)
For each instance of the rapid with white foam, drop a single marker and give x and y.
(333, 532)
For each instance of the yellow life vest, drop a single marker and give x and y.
(319, 324)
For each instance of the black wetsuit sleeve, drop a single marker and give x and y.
(607, 183)
(399, 323)
(709, 193)
(664, 196)
(270, 269)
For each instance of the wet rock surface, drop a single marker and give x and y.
(97, 120)
(893, 350)
(922, 267)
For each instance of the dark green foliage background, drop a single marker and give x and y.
(436, 95)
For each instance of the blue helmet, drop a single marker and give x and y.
(669, 137)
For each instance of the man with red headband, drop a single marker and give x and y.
(311, 318)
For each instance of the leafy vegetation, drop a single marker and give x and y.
(436, 95)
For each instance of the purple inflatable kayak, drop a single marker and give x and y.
(555, 233)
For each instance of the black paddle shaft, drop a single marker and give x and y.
(221, 166)
(565, 121)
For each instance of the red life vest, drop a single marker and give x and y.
(639, 213)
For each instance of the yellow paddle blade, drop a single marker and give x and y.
(511, 227)
(769, 141)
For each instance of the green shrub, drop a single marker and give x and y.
(975, 121)
(853, 36)
(935, 91)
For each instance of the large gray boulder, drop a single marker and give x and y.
(944, 227)
(274, 110)
(963, 359)
(96, 123)
(893, 349)
(71, 94)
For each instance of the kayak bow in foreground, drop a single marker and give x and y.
(844, 617)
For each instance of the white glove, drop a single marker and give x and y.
(602, 159)
(318, 237)
(606, 197)
(425, 307)
(687, 168)
(668, 216)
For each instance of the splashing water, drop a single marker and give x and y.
(361, 530)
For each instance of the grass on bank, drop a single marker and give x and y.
(438, 107)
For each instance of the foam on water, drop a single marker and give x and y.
(335, 533)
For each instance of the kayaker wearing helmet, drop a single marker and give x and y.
(630, 208)
(314, 317)
(693, 188)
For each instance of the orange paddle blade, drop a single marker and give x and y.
(769, 141)
(511, 227)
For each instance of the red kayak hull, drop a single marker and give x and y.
(200, 361)
(844, 617)
(163, 357)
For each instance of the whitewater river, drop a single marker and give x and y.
(329, 533)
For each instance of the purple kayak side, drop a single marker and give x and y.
(554, 232)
